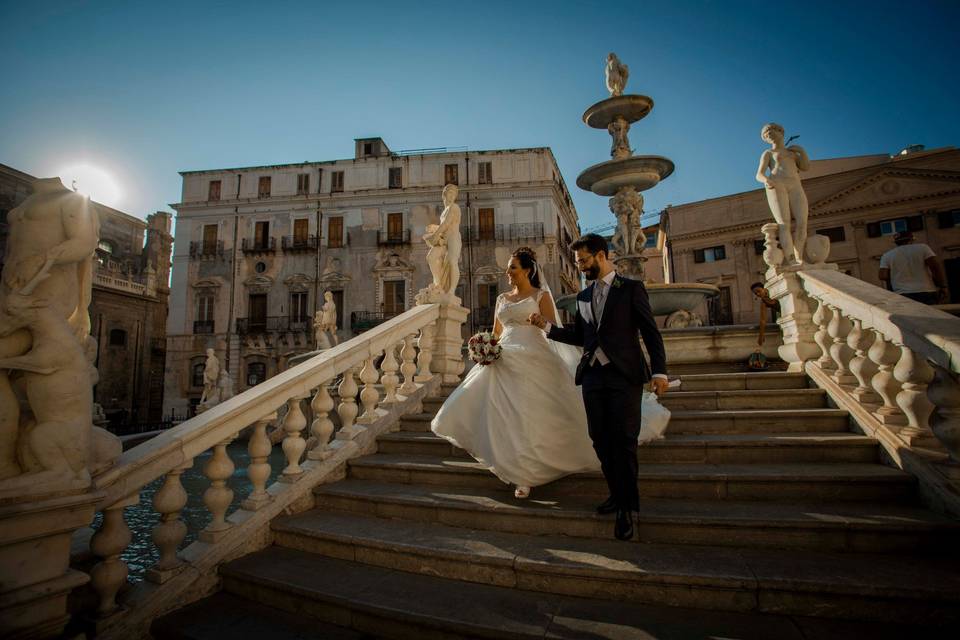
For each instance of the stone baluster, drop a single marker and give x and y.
(113, 536)
(347, 409)
(838, 329)
(409, 368)
(915, 374)
(171, 530)
(293, 443)
(322, 427)
(258, 470)
(425, 343)
(369, 396)
(944, 392)
(218, 495)
(859, 340)
(390, 380)
(884, 354)
(821, 318)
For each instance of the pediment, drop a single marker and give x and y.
(393, 262)
(887, 187)
(258, 283)
(298, 282)
(207, 283)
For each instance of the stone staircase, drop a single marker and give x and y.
(763, 515)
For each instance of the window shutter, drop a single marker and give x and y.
(698, 255)
(719, 253)
(873, 229)
(946, 219)
(915, 223)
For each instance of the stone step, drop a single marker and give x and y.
(394, 604)
(747, 399)
(877, 527)
(691, 448)
(743, 381)
(837, 481)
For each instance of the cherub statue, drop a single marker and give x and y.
(617, 74)
(621, 144)
(627, 205)
(785, 194)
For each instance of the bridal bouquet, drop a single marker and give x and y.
(484, 348)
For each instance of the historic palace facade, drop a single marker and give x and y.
(257, 247)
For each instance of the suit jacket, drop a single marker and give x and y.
(625, 313)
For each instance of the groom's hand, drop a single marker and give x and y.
(537, 320)
(659, 386)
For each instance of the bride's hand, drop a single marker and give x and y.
(537, 320)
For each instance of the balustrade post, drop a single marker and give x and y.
(821, 318)
(322, 427)
(347, 409)
(838, 329)
(915, 374)
(369, 396)
(448, 343)
(171, 530)
(113, 536)
(885, 355)
(859, 340)
(218, 495)
(944, 392)
(425, 342)
(293, 443)
(259, 448)
(408, 354)
(796, 320)
(390, 380)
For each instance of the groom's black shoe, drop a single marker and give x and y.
(623, 528)
(607, 506)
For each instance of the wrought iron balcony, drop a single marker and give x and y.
(387, 238)
(202, 326)
(526, 231)
(299, 243)
(271, 324)
(206, 249)
(361, 321)
(259, 245)
(503, 233)
(495, 233)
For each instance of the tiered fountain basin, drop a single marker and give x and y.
(664, 298)
(631, 108)
(639, 172)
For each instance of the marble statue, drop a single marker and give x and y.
(443, 257)
(328, 317)
(618, 129)
(785, 195)
(225, 385)
(46, 396)
(211, 379)
(627, 205)
(319, 335)
(617, 74)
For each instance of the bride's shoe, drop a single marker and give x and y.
(521, 492)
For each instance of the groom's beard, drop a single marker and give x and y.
(592, 273)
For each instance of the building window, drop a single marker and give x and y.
(263, 187)
(710, 254)
(256, 373)
(450, 174)
(393, 298)
(261, 235)
(301, 230)
(486, 173)
(204, 319)
(487, 229)
(651, 240)
(335, 232)
(396, 177)
(338, 300)
(257, 312)
(394, 227)
(213, 192)
(949, 219)
(260, 267)
(210, 239)
(895, 225)
(118, 338)
(368, 148)
(759, 246)
(197, 377)
(106, 246)
(303, 184)
(836, 234)
(336, 181)
(298, 307)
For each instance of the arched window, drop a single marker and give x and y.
(197, 378)
(118, 338)
(256, 373)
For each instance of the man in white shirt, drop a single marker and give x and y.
(913, 271)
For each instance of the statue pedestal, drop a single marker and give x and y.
(631, 266)
(796, 319)
(448, 344)
(35, 574)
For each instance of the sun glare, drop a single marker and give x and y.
(92, 181)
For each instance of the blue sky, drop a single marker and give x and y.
(148, 89)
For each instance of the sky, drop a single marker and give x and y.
(141, 90)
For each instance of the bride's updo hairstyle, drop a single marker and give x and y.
(527, 258)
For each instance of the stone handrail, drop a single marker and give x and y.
(428, 340)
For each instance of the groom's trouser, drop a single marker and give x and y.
(613, 418)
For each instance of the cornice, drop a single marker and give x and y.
(938, 175)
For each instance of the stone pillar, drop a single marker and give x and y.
(796, 320)
(447, 359)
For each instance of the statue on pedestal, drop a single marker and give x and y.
(324, 321)
(785, 195)
(211, 379)
(627, 205)
(618, 129)
(443, 258)
(617, 75)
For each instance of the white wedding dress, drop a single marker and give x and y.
(522, 417)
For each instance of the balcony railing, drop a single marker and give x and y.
(526, 231)
(299, 243)
(259, 245)
(202, 326)
(387, 238)
(503, 232)
(361, 321)
(206, 249)
(271, 324)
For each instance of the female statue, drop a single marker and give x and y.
(784, 190)
(445, 244)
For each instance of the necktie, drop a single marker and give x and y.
(599, 293)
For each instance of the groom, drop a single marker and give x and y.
(613, 370)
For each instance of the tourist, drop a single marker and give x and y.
(913, 271)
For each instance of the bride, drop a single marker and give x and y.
(522, 416)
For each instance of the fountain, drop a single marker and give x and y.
(622, 179)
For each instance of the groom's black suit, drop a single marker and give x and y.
(612, 393)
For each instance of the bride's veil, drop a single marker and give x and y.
(568, 353)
